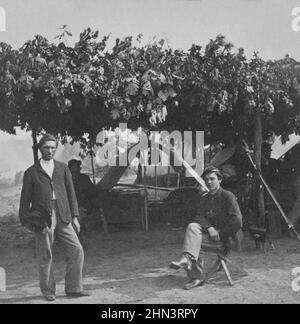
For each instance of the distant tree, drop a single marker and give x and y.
(8, 112)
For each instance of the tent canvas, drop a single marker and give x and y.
(222, 156)
(279, 149)
(110, 176)
(106, 141)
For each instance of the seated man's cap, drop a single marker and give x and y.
(212, 169)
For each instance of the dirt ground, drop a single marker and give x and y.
(128, 265)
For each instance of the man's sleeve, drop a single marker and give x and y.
(26, 197)
(200, 215)
(234, 221)
(71, 193)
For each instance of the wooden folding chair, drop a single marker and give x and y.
(222, 253)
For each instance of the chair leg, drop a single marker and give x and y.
(212, 271)
(234, 265)
(223, 263)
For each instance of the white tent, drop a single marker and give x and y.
(222, 156)
(108, 145)
(279, 149)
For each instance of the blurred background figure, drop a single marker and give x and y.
(86, 194)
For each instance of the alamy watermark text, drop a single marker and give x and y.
(122, 146)
(295, 24)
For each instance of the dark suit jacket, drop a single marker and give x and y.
(85, 191)
(220, 211)
(38, 189)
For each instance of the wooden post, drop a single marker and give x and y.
(93, 167)
(142, 207)
(259, 192)
(239, 141)
(145, 202)
(155, 171)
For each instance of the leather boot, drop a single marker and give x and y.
(184, 263)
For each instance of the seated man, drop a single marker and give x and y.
(217, 219)
(85, 192)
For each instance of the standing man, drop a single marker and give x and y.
(218, 218)
(49, 208)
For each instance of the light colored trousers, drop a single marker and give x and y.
(194, 240)
(67, 238)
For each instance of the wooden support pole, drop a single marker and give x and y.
(287, 220)
(145, 202)
(168, 177)
(93, 167)
(146, 210)
(155, 171)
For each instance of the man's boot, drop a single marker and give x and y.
(184, 263)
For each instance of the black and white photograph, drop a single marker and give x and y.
(149, 154)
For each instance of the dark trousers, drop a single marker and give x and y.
(69, 241)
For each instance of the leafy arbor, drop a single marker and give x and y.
(81, 89)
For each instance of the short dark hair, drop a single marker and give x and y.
(212, 169)
(47, 138)
(74, 161)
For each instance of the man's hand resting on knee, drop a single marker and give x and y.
(214, 234)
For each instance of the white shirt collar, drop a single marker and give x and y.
(47, 162)
(48, 166)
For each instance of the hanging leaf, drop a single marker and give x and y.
(153, 119)
(115, 114)
(140, 107)
(41, 60)
(162, 78)
(147, 88)
(68, 102)
(132, 89)
(29, 97)
(164, 112)
(163, 95)
(172, 93)
(250, 89)
(149, 106)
